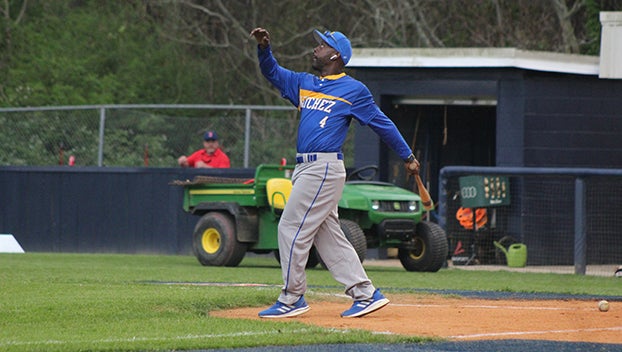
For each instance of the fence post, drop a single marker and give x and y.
(247, 137)
(102, 123)
(580, 235)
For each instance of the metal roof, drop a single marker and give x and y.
(475, 58)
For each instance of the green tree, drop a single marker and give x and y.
(85, 52)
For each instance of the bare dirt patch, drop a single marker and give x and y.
(463, 319)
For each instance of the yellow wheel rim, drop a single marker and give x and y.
(210, 240)
(419, 250)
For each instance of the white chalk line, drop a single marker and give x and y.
(175, 338)
(539, 332)
(487, 307)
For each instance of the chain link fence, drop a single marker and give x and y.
(147, 135)
(567, 218)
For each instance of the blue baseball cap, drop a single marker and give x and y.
(210, 136)
(337, 41)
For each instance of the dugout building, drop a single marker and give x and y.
(498, 107)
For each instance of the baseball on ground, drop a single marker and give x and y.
(603, 306)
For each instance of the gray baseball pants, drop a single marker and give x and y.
(310, 218)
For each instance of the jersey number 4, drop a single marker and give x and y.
(323, 121)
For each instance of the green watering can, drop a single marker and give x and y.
(516, 254)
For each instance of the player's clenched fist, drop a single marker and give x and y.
(261, 36)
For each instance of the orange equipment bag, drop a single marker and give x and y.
(465, 217)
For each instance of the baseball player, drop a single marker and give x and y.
(327, 103)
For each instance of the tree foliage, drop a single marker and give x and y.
(61, 52)
(85, 52)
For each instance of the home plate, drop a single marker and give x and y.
(8, 244)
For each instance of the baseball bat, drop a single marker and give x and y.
(424, 194)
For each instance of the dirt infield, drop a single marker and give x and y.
(467, 319)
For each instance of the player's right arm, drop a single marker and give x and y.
(286, 81)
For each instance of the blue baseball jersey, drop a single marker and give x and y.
(327, 106)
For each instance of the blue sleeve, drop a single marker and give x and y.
(368, 113)
(388, 132)
(286, 81)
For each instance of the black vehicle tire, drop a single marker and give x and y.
(312, 262)
(430, 249)
(355, 236)
(214, 242)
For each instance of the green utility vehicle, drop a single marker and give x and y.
(239, 216)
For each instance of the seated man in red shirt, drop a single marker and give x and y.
(210, 156)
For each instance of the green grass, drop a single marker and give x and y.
(69, 302)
